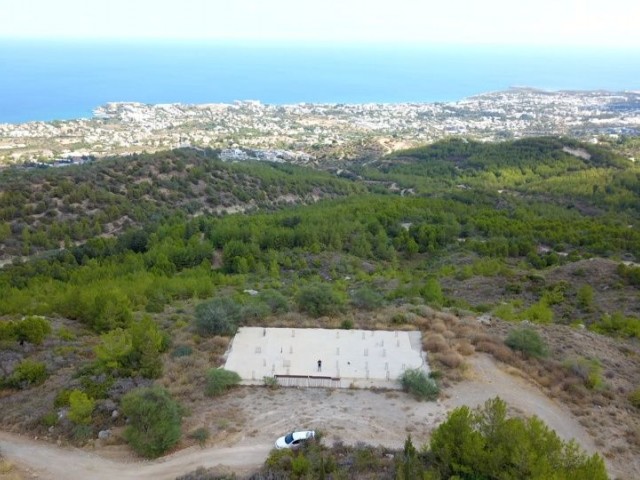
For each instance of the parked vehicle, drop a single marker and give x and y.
(295, 439)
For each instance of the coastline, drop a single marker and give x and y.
(310, 131)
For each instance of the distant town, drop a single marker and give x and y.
(304, 133)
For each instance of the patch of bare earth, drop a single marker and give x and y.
(249, 419)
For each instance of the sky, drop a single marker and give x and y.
(571, 23)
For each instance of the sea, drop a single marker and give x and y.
(45, 80)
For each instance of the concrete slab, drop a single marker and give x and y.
(349, 358)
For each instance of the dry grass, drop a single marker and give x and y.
(8, 471)
(5, 467)
(499, 351)
(448, 318)
(439, 326)
(435, 343)
(465, 348)
(449, 359)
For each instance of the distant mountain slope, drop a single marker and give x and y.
(563, 170)
(41, 209)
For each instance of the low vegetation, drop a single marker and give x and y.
(219, 381)
(154, 420)
(417, 383)
(527, 341)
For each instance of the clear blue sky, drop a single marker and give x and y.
(584, 23)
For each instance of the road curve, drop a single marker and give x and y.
(51, 462)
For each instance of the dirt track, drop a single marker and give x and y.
(349, 416)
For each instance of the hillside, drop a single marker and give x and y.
(139, 273)
(42, 209)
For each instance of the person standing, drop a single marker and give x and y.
(319, 365)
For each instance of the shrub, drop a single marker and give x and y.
(62, 398)
(634, 398)
(200, 435)
(300, 465)
(219, 316)
(319, 299)
(527, 341)
(498, 350)
(33, 329)
(81, 407)
(346, 324)
(182, 351)
(276, 302)
(486, 444)
(436, 343)
(417, 383)
(450, 359)
(585, 297)
(432, 292)
(270, 382)
(254, 311)
(365, 298)
(82, 433)
(617, 325)
(465, 348)
(538, 313)
(28, 373)
(154, 420)
(219, 381)
(588, 370)
(8, 331)
(49, 419)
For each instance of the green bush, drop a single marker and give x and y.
(417, 383)
(319, 299)
(49, 419)
(219, 381)
(485, 444)
(33, 329)
(219, 316)
(62, 398)
(300, 465)
(589, 370)
(584, 297)
(432, 292)
(527, 341)
(154, 420)
(538, 313)
(366, 299)
(28, 373)
(347, 324)
(275, 300)
(617, 325)
(8, 331)
(81, 407)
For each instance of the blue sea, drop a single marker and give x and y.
(49, 80)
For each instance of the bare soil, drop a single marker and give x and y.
(348, 416)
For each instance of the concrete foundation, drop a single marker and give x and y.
(348, 358)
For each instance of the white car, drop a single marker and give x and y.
(294, 439)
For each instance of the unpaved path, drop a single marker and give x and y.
(350, 416)
(488, 380)
(50, 462)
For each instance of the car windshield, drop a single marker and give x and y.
(288, 439)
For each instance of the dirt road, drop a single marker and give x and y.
(51, 462)
(350, 416)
